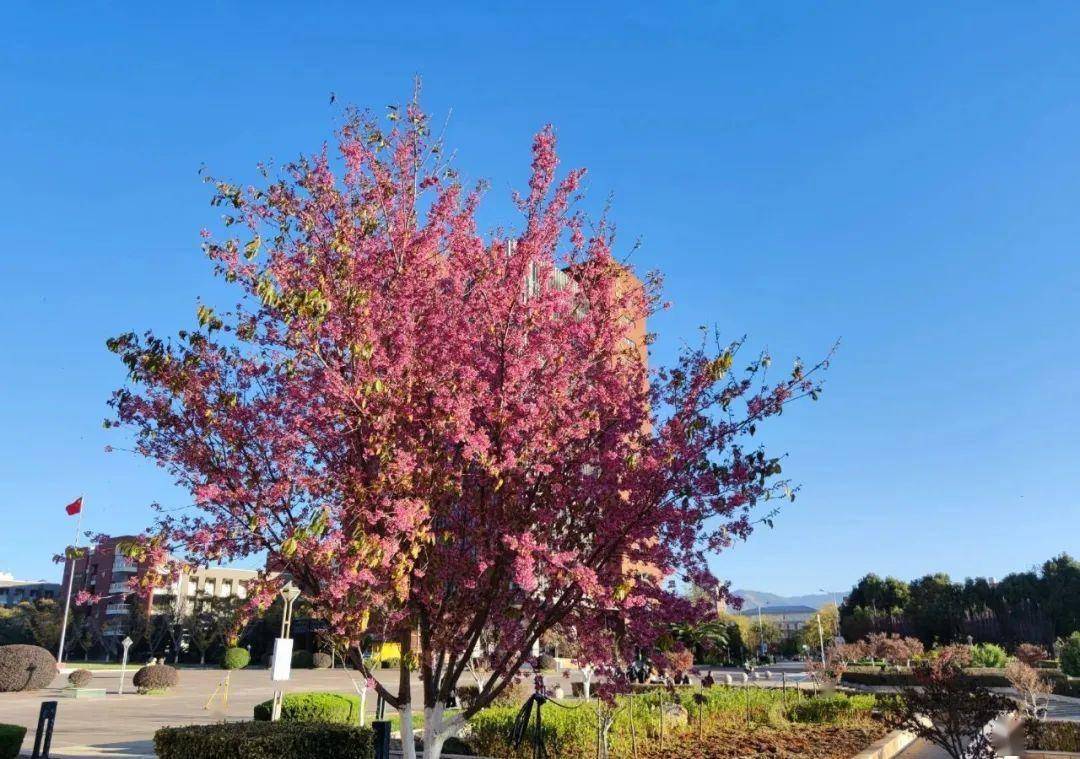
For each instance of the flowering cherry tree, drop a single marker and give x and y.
(442, 435)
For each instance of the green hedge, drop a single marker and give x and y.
(338, 708)
(264, 740)
(988, 677)
(235, 658)
(1053, 736)
(302, 660)
(567, 733)
(11, 738)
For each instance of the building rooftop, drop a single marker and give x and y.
(767, 610)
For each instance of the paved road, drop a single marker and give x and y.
(124, 725)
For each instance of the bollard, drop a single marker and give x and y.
(46, 715)
(381, 727)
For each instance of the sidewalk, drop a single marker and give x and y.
(128, 749)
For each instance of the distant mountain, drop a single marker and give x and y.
(755, 598)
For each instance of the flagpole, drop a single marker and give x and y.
(71, 581)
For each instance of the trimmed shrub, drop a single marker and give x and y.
(455, 745)
(301, 660)
(335, 708)
(80, 678)
(988, 655)
(263, 740)
(545, 661)
(1031, 654)
(1070, 655)
(1052, 736)
(235, 658)
(155, 677)
(11, 738)
(322, 661)
(987, 677)
(1067, 686)
(566, 733)
(390, 663)
(25, 667)
(831, 709)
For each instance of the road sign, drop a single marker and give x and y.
(282, 663)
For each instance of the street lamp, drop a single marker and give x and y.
(282, 662)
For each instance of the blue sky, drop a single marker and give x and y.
(904, 177)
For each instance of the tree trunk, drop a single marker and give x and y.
(437, 729)
(408, 741)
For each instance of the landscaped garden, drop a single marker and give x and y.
(649, 723)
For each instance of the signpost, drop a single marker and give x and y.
(282, 661)
(43, 738)
(126, 643)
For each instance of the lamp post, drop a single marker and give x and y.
(821, 640)
(279, 669)
(126, 643)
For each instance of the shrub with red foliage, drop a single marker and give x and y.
(893, 648)
(1031, 653)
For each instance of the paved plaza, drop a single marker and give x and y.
(124, 725)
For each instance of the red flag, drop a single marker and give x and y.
(74, 507)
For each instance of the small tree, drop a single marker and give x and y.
(204, 633)
(948, 709)
(1032, 688)
(451, 434)
(43, 618)
(767, 632)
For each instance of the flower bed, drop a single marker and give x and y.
(805, 741)
(703, 722)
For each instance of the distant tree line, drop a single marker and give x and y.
(1036, 606)
(195, 630)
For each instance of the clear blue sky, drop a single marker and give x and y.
(906, 178)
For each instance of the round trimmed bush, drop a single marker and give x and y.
(546, 662)
(11, 738)
(235, 658)
(322, 661)
(988, 655)
(301, 660)
(1070, 655)
(24, 667)
(80, 678)
(337, 708)
(155, 677)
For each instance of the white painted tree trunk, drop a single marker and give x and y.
(408, 743)
(437, 729)
(586, 680)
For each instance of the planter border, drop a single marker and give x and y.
(887, 747)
